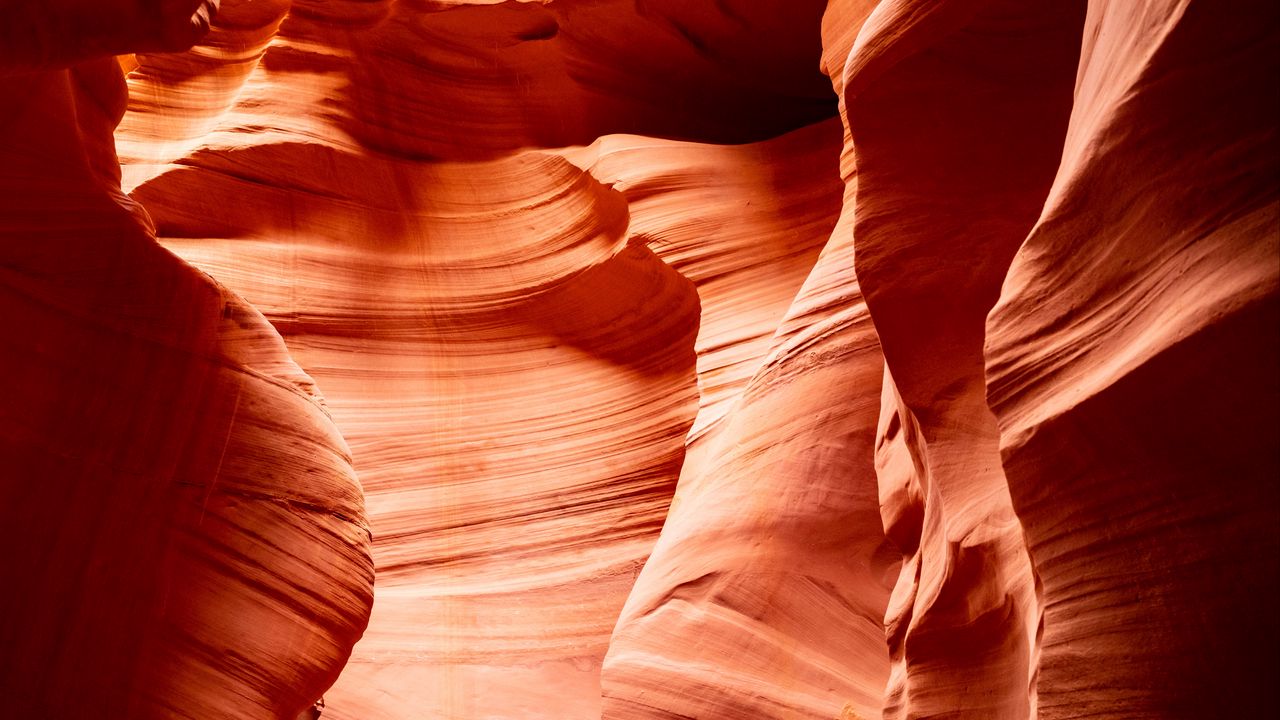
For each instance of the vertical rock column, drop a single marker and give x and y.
(1131, 364)
(957, 111)
(765, 594)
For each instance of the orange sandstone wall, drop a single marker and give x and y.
(1132, 366)
(513, 341)
(695, 359)
(189, 535)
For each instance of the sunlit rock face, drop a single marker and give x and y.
(512, 340)
(640, 359)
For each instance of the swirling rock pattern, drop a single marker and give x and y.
(957, 110)
(1131, 364)
(577, 281)
(463, 355)
(772, 557)
(438, 301)
(190, 535)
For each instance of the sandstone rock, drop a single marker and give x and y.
(957, 111)
(1131, 364)
(189, 535)
(510, 361)
(576, 282)
(765, 593)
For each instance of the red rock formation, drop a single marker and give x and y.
(346, 333)
(191, 539)
(957, 111)
(499, 390)
(1131, 363)
(60, 33)
(579, 291)
(461, 80)
(437, 303)
(764, 595)
(773, 560)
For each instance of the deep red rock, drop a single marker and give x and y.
(191, 539)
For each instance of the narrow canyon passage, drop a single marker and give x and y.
(639, 359)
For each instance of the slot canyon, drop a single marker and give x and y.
(640, 359)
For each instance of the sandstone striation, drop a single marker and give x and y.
(437, 286)
(765, 593)
(659, 358)
(514, 401)
(1131, 364)
(190, 535)
(957, 111)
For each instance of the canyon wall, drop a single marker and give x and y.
(189, 536)
(1132, 367)
(640, 359)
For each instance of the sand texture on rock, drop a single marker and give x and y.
(639, 359)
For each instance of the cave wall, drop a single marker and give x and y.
(658, 359)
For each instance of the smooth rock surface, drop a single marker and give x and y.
(1132, 366)
(957, 111)
(708, 359)
(512, 364)
(188, 534)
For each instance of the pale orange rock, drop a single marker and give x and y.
(464, 80)
(515, 420)
(512, 366)
(745, 223)
(484, 327)
(765, 593)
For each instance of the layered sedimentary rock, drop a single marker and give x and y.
(576, 280)
(442, 371)
(957, 111)
(459, 80)
(189, 536)
(1104, 361)
(745, 223)
(765, 594)
(511, 362)
(514, 401)
(1131, 364)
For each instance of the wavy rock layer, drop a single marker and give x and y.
(1131, 363)
(765, 593)
(494, 358)
(191, 536)
(445, 349)
(511, 363)
(744, 223)
(462, 80)
(957, 111)
(772, 556)
(1131, 449)
(581, 298)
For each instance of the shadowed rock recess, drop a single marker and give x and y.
(639, 359)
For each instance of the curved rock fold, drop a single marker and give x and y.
(659, 359)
